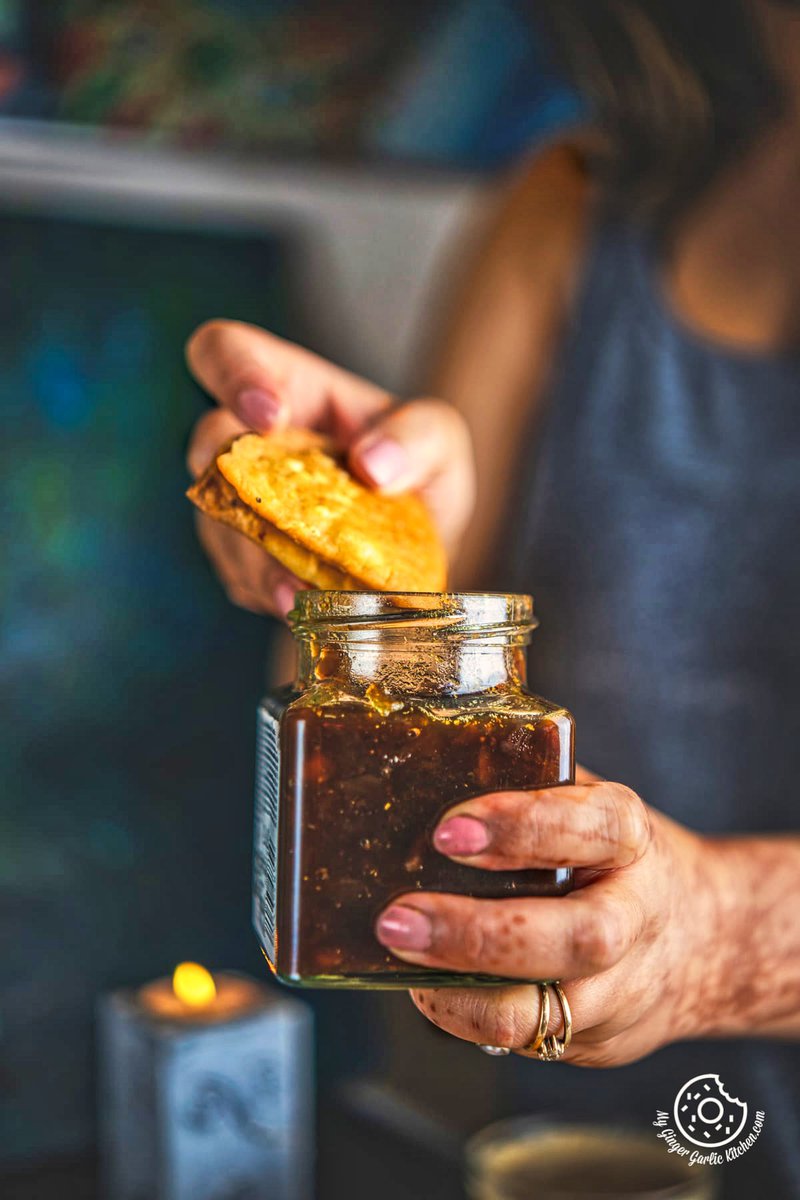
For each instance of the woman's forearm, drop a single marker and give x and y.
(749, 984)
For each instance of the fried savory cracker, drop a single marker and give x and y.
(294, 498)
(214, 496)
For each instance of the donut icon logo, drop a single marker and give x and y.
(706, 1115)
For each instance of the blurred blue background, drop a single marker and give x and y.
(128, 683)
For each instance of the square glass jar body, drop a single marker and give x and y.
(387, 729)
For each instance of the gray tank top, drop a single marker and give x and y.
(658, 527)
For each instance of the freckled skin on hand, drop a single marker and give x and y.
(713, 949)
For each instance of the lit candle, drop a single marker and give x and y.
(194, 994)
(206, 1090)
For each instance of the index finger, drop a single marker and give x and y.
(269, 382)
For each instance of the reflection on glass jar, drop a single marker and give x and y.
(527, 1157)
(404, 705)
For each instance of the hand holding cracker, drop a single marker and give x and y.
(267, 384)
(287, 492)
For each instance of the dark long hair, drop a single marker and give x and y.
(677, 88)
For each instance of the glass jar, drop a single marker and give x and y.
(405, 705)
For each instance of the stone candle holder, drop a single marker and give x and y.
(208, 1100)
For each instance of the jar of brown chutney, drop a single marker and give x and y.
(404, 706)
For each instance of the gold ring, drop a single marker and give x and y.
(544, 1020)
(550, 1049)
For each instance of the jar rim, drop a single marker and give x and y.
(432, 612)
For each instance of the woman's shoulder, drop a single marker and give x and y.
(550, 176)
(541, 215)
(550, 191)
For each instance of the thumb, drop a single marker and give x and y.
(421, 446)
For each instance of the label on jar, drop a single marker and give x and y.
(265, 852)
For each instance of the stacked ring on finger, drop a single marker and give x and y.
(550, 1048)
(547, 1048)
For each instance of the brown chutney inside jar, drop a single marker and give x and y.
(405, 705)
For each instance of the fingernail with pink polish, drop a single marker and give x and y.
(258, 408)
(384, 460)
(403, 928)
(461, 836)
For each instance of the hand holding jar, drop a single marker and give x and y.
(667, 936)
(630, 944)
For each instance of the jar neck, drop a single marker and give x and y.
(416, 668)
(412, 644)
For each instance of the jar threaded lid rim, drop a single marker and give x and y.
(447, 612)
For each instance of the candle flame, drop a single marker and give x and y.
(194, 985)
